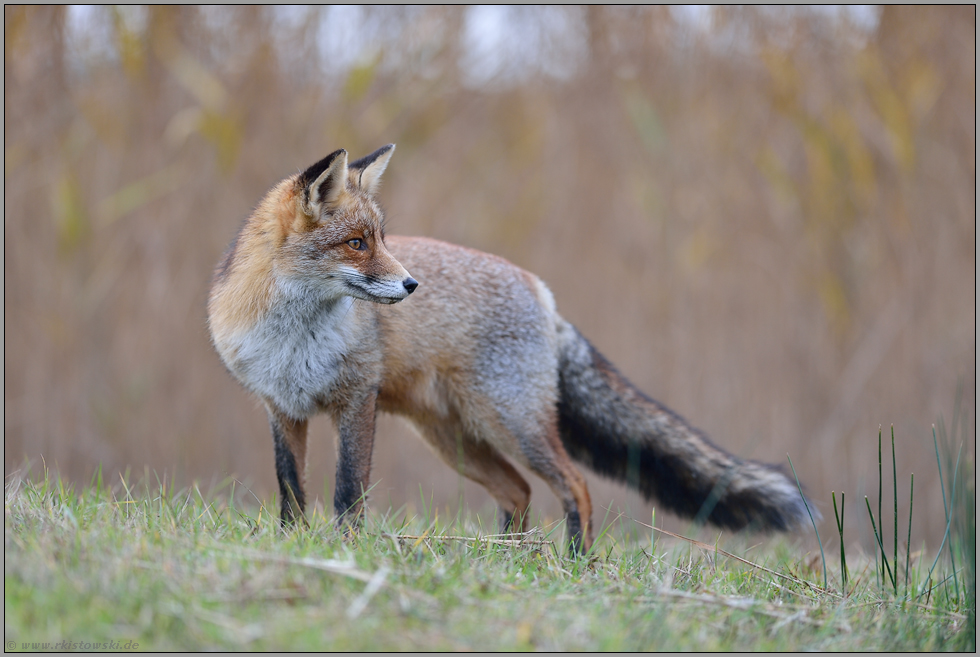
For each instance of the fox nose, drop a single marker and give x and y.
(410, 284)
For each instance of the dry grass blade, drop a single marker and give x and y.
(713, 548)
(346, 568)
(799, 613)
(239, 632)
(512, 540)
(373, 586)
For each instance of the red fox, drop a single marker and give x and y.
(310, 310)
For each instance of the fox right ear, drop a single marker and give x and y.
(367, 170)
(324, 182)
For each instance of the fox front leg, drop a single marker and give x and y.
(289, 440)
(355, 426)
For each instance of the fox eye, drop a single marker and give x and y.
(357, 245)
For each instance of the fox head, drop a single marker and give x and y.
(336, 240)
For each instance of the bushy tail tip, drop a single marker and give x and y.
(607, 424)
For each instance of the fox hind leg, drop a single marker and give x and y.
(481, 462)
(547, 458)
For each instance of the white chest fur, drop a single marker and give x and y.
(295, 354)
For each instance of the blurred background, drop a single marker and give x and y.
(765, 217)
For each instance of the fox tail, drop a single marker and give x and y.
(611, 427)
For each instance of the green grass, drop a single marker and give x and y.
(181, 570)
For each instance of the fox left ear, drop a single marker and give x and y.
(323, 183)
(366, 172)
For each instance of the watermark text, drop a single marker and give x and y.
(124, 644)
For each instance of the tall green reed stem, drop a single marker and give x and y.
(814, 522)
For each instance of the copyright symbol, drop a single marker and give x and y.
(11, 645)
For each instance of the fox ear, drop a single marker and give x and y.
(366, 172)
(323, 183)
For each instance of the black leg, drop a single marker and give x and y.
(289, 441)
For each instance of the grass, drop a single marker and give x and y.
(183, 570)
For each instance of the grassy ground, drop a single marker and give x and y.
(158, 569)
